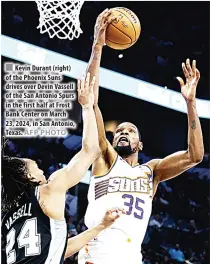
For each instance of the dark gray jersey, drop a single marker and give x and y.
(32, 237)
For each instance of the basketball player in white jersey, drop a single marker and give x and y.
(119, 180)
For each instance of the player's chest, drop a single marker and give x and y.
(125, 178)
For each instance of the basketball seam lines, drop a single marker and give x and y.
(129, 20)
(124, 34)
(121, 43)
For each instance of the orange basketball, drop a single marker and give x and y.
(125, 31)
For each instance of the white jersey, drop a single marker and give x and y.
(127, 187)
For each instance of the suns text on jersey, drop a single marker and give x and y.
(119, 184)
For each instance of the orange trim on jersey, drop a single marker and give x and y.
(150, 168)
(98, 175)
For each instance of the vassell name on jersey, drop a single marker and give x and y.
(24, 210)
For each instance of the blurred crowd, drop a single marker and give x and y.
(178, 230)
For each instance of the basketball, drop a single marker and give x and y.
(124, 31)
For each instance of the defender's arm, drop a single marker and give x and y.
(63, 179)
(78, 242)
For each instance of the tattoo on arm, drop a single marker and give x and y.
(193, 124)
(96, 56)
(194, 106)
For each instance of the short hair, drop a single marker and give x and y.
(15, 184)
(140, 137)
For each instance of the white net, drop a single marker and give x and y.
(60, 18)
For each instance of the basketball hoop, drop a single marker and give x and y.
(60, 18)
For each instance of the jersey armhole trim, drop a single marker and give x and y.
(37, 193)
(148, 166)
(113, 163)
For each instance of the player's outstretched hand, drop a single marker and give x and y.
(102, 22)
(85, 91)
(192, 76)
(111, 216)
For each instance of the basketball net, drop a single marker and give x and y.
(60, 18)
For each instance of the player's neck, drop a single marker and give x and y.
(132, 160)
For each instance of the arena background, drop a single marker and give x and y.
(171, 32)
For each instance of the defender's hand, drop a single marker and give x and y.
(111, 216)
(192, 76)
(102, 22)
(85, 91)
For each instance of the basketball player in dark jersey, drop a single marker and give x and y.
(33, 226)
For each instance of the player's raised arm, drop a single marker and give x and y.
(181, 161)
(101, 24)
(65, 178)
(93, 67)
(77, 242)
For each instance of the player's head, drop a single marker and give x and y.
(127, 139)
(34, 173)
(18, 177)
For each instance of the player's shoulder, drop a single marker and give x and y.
(153, 163)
